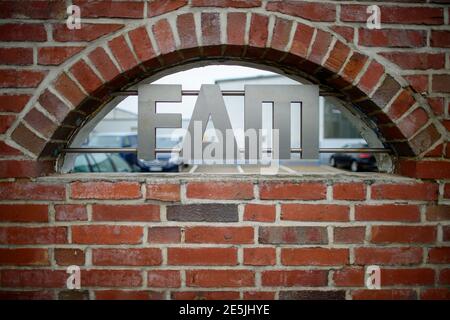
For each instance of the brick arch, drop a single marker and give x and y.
(291, 45)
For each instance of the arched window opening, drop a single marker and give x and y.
(112, 133)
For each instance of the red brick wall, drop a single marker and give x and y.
(257, 239)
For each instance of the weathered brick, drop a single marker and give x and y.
(292, 191)
(203, 213)
(292, 278)
(104, 234)
(314, 212)
(24, 257)
(314, 256)
(127, 257)
(231, 235)
(220, 190)
(220, 278)
(388, 256)
(144, 212)
(35, 235)
(202, 256)
(292, 235)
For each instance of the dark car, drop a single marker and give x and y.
(163, 162)
(354, 161)
(100, 162)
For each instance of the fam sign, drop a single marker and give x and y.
(210, 105)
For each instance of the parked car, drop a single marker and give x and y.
(100, 162)
(163, 162)
(354, 161)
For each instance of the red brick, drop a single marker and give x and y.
(420, 276)
(418, 191)
(229, 235)
(302, 40)
(128, 295)
(220, 278)
(236, 22)
(33, 278)
(13, 102)
(258, 33)
(435, 294)
(103, 234)
(23, 213)
(105, 190)
(292, 235)
(416, 61)
(210, 29)
(21, 78)
(109, 9)
(31, 191)
(281, 34)
(337, 57)
(314, 256)
(259, 256)
(387, 212)
(24, 257)
(53, 56)
(164, 235)
(25, 168)
(28, 139)
(349, 277)
(259, 295)
(438, 213)
(388, 256)
(54, 105)
(23, 32)
(27, 295)
(320, 46)
(440, 38)
(413, 122)
(86, 77)
(384, 294)
(7, 150)
(111, 278)
(418, 82)
(403, 234)
(103, 64)
(349, 234)
(69, 89)
(70, 212)
(36, 235)
(159, 7)
(259, 212)
(87, 32)
(371, 77)
(40, 122)
(16, 56)
(394, 14)
(164, 37)
(306, 10)
(163, 192)
(396, 38)
(401, 104)
(227, 3)
(205, 295)
(439, 255)
(5, 122)
(34, 9)
(444, 276)
(441, 83)
(122, 53)
(164, 279)
(202, 256)
(141, 44)
(314, 212)
(187, 34)
(144, 212)
(354, 66)
(349, 191)
(346, 32)
(127, 257)
(446, 233)
(67, 257)
(292, 191)
(293, 278)
(220, 190)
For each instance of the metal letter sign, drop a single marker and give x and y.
(210, 105)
